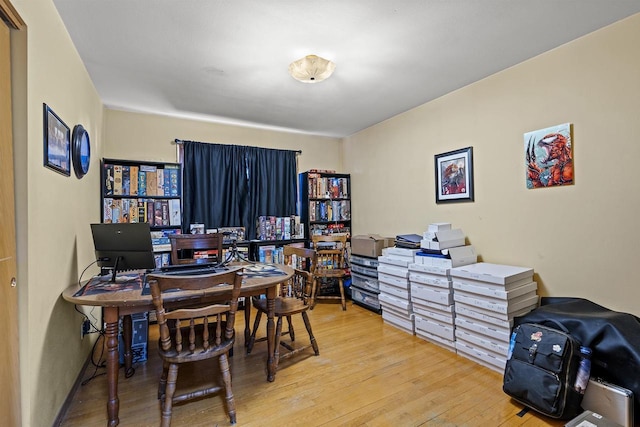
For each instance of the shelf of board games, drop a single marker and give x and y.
(144, 191)
(324, 202)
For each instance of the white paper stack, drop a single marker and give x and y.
(487, 298)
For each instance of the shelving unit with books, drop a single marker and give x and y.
(144, 191)
(324, 202)
(324, 207)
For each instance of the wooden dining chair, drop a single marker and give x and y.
(330, 265)
(293, 298)
(195, 334)
(185, 247)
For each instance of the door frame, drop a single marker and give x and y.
(11, 403)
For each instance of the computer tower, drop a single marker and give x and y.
(139, 338)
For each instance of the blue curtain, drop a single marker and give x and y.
(231, 185)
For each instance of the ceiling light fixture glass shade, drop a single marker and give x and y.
(311, 69)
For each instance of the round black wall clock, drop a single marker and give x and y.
(80, 150)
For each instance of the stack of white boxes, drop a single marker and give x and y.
(431, 286)
(487, 298)
(395, 292)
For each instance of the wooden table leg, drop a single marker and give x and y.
(127, 336)
(247, 316)
(271, 334)
(113, 404)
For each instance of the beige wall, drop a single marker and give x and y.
(151, 137)
(53, 212)
(581, 239)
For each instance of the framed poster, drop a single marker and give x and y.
(454, 176)
(56, 143)
(548, 156)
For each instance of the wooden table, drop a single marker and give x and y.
(125, 303)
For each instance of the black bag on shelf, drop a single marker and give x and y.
(541, 369)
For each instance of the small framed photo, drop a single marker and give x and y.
(56, 143)
(454, 176)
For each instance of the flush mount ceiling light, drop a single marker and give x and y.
(311, 69)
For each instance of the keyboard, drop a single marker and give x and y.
(189, 270)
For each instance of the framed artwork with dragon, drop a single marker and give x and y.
(454, 176)
(549, 156)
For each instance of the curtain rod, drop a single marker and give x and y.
(181, 141)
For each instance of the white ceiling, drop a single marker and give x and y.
(227, 60)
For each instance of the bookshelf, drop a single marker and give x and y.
(144, 191)
(324, 202)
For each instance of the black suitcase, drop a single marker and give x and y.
(541, 369)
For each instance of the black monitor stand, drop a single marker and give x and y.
(115, 270)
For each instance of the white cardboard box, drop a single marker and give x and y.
(475, 326)
(430, 279)
(393, 270)
(495, 294)
(422, 259)
(492, 273)
(500, 318)
(432, 294)
(472, 313)
(434, 327)
(447, 239)
(438, 226)
(429, 268)
(483, 342)
(397, 321)
(403, 252)
(514, 284)
(436, 315)
(477, 355)
(502, 308)
(426, 242)
(447, 310)
(459, 256)
(397, 261)
(396, 281)
(394, 291)
(400, 305)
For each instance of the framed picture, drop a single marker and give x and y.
(454, 176)
(56, 143)
(548, 156)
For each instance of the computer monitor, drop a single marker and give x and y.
(121, 247)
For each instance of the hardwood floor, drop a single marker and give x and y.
(368, 374)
